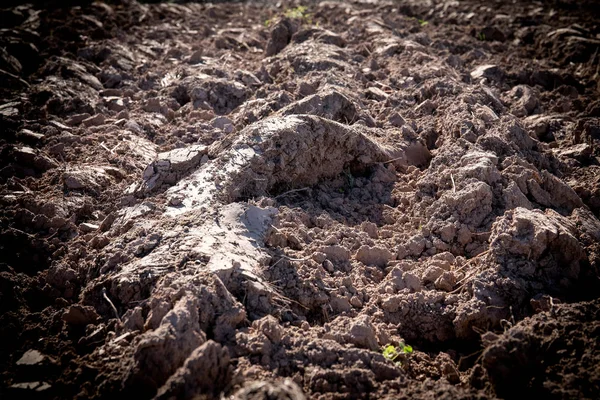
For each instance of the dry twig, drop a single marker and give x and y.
(111, 304)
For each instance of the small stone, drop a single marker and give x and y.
(77, 119)
(57, 149)
(396, 120)
(579, 151)
(43, 163)
(59, 125)
(328, 265)
(30, 136)
(196, 57)
(96, 120)
(86, 227)
(376, 94)
(30, 386)
(73, 182)
(172, 165)
(248, 78)
(356, 302)
(134, 127)
(68, 137)
(32, 357)
(524, 100)
(491, 72)
(24, 155)
(107, 222)
(115, 104)
(221, 122)
(294, 242)
(10, 110)
(123, 115)
(79, 314)
(331, 240)
(175, 201)
(319, 257)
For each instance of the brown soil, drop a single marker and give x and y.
(249, 200)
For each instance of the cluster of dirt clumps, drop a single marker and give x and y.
(252, 200)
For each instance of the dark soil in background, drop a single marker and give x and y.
(251, 200)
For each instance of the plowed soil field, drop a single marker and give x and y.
(320, 200)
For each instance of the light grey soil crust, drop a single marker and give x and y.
(251, 200)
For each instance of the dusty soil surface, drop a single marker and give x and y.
(251, 200)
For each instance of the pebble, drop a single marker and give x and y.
(96, 120)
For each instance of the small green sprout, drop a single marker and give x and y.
(299, 12)
(481, 36)
(296, 13)
(392, 353)
(422, 22)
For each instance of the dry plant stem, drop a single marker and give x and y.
(392, 160)
(453, 184)
(292, 191)
(105, 148)
(471, 261)
(111, 304)
(465, 279)
(460, 283)
(289, 259)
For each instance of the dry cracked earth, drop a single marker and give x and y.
(251, 200)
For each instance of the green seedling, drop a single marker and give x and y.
(481, 36)
(422, 22)
(299, 13)
(392, 353)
